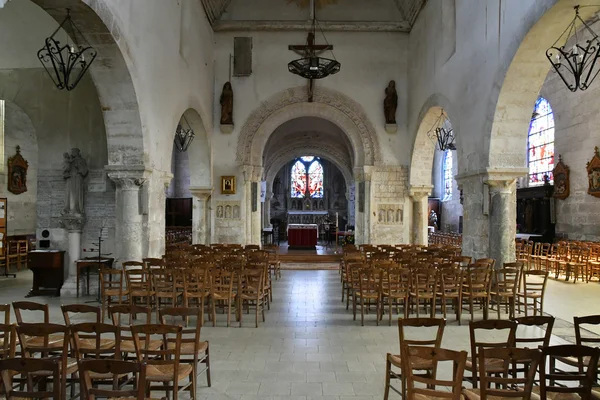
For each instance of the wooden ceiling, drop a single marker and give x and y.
(332, 15)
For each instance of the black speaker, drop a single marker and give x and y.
(45, 243)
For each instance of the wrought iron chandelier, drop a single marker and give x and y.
(66, 64)
(184, 136)
(576, 65)
(442, 136)
(311, 66)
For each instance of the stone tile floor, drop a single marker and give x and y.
(309, 347)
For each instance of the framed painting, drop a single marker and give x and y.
(228, 185)
(17, 173)
(562, 185)
(593, 172)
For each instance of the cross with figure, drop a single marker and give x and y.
(310, 52)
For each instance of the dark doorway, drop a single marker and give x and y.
(179, 212)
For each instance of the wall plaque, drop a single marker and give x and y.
(593, 171)
(561, 180)
(254, 195)
(17, 173)
(361, 197)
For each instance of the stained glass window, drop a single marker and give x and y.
(315, 180)
(298, 180)
(540, 143)
(448, 176)
(307, 158)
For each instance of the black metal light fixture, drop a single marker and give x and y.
(184, 136)
(66, 63)
(576, 64)
(442, 136)
(311, 66)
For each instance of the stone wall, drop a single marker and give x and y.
(180, 168)
(390, 206)
(576, 121)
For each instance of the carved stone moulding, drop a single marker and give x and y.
(73, 222)
(17, 173)
(390, 214)
(562, 184)
(593, 172)
(130, 177)
(228, 210)
(226, 128)
(391, 128)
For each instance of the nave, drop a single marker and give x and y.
(309, 347)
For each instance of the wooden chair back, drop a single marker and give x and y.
(435, 387)
(542, 322)
(78, 309)
(587, 320)
(508, 385)
(96, 340)
(115, 368)
(424, 339)
(32, 308)
(28, 368)
(579, 381)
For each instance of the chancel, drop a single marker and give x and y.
(299, 179)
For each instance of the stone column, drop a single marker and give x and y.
(199, 221)
(252, 174)
(503, 216)
(129, 218)
(74, 226)
(419, 195)
(267, 209)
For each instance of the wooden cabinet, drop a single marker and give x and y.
(48, 271)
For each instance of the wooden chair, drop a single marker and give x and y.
(22, 250)
(114, 368)
(580, 340)
(505, 386)
(71, 310)
(34, 310)
(478, 285)
(250, 293)
(221, 292)
(111, 287)
(450, 287)
(139, 285)
(534, 288)
(163, 365)
(492, 366)
(557, 384)
(134, 314)
(34, 371)
(369, 290)
(193, 350)
(196, 290)
(423, 286)
(37, 339)
(395, 289)
(505, 286)
(164, 288)
(578, 263)
(417, 364)
(451, 389)
(12, 255)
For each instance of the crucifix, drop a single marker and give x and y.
(310, 51)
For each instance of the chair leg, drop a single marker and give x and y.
(362, 311)
(207, 361)
(388, 366)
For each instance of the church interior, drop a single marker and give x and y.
(299, 199)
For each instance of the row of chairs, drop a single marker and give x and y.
(499, 356)
(167, 355)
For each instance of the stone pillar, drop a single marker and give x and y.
(200, 226)
(267, 209)
(252, 174)
(74, 226)
(420, 195)
(129, 215)
(503, 216)
(475, 236)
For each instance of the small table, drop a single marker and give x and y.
(303, 235)
(267, 233)
(87, 264)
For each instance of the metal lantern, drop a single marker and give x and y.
(184, 136)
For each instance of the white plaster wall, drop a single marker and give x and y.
(576, 120)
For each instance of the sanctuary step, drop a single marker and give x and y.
(310, 258)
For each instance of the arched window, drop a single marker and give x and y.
(448, 176)
(540, 143)
(307, 173)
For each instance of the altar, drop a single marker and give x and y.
(305, 217)
(303, 235)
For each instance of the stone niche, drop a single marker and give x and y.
(228, 210)
(390, 214)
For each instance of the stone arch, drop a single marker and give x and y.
(111, 75)
(519, 81)
(292, 103)
(423, 151)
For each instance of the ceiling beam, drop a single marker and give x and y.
(350, 26)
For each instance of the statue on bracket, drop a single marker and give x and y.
(390, 104)
(17, 173)
(226, 101)
(593, 171)
(561, 180)
(75, 170)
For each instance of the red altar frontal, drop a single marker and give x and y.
(303, 235)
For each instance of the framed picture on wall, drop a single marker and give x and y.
(228, 185)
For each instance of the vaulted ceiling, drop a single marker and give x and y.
(332, 15)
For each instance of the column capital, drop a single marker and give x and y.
(73, 223)
(128, 177)
(202, 193)
(501, 185)
(420, 192)
(492, 174)
(252, 173)
(167, 178)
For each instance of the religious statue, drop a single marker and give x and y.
(390, 103)
(17, 173)
(433, 218)
(227, 104)
(593, 171)
(219, 211)
(74, 172)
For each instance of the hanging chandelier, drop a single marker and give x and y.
(441, 135)
(311, 66)
(66, 64)
(576, 64)
(183, 136)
